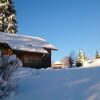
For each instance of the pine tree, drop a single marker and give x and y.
(71, 59)
(97, 54)
(80, 58)
(7, 17)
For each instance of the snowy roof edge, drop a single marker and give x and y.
(36, 44)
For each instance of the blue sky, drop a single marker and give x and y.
(68, 24)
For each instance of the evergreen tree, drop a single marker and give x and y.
(97, 54)
(80, 58)
(71, 59)
(7, 17)
(85, 57)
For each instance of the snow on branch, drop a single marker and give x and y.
(8, 64)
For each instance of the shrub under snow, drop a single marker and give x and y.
(8, 64)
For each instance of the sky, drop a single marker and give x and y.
(70, 25)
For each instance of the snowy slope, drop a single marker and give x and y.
(92, 63)
(59, 84)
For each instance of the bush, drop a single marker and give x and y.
(78, 64)
(8, 64)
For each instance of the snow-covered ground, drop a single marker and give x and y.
(92, 63)
(58, 84)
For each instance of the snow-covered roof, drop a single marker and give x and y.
(58, 63)
(26, 43)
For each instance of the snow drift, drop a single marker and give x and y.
(92, 63)
(59, 84)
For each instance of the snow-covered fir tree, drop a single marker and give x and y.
(80, 58)
(97, 54)
(7, 17)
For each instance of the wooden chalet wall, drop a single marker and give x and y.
(34, 60)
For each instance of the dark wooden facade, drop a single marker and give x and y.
(34, 60)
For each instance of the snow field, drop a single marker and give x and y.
(60, 84)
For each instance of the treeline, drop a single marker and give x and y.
(76, 60)
(80, 58)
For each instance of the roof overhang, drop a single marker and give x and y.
(26, 43)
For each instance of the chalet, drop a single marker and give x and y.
(63, 63)
(58, 64)
(34, 52)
